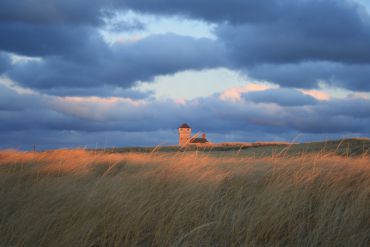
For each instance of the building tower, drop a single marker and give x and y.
(184, 134)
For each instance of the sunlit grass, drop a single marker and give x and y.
(80, 198)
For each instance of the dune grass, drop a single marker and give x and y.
(81, 198)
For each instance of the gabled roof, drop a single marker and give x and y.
(184, 126)
(198, 140)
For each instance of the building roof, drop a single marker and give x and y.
(198, 140)
(184, 126)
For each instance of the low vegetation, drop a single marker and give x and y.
(90, 198)
(348, 147)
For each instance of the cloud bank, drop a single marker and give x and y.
(81, 87)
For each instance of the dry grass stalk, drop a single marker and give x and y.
(81, 198)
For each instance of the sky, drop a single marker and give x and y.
(112, 73)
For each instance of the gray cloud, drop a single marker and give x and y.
(4, 62)
(311, 41)
(280, 96)
(53, 12)
(235, 11)
(267, 41)
(355, 108)
(308, 74)
(282, 35)
(127, 26)
(11, 101)
(28, 114)
(121, 65)
(43, 40)
(280, 31)
(101, 91)
(292, 43)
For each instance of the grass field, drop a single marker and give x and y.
(348, 147)
(94, 198)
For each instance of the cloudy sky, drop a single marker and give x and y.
(101, 73)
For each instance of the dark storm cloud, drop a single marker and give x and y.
(280, 96)
(312, 41)
(12, 101)
(4, 62)
(42, 40)
(217, 116)
(308, 74)
(94, 118)
(355, 108)
(235, 11)
(103, 91)
(289, 42)
(95, 64)
(283, 34)
(53, 12)
(295, 43)
(50, 39)
(280, 31)
(255, 34)
(77, 61)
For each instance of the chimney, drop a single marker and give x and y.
(204, 135)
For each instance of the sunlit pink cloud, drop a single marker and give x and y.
(101, 100)
(234, 94)
(180, 101)
(319, 95)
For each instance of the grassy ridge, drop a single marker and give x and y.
(189, 148)
(80, 198)
(343, 147)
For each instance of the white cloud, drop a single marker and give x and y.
(154, 25)
(192, 84)
(16, 59)
(5, 81)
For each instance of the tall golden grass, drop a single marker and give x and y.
(80, 198)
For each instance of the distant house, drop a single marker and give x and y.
(185, 137)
